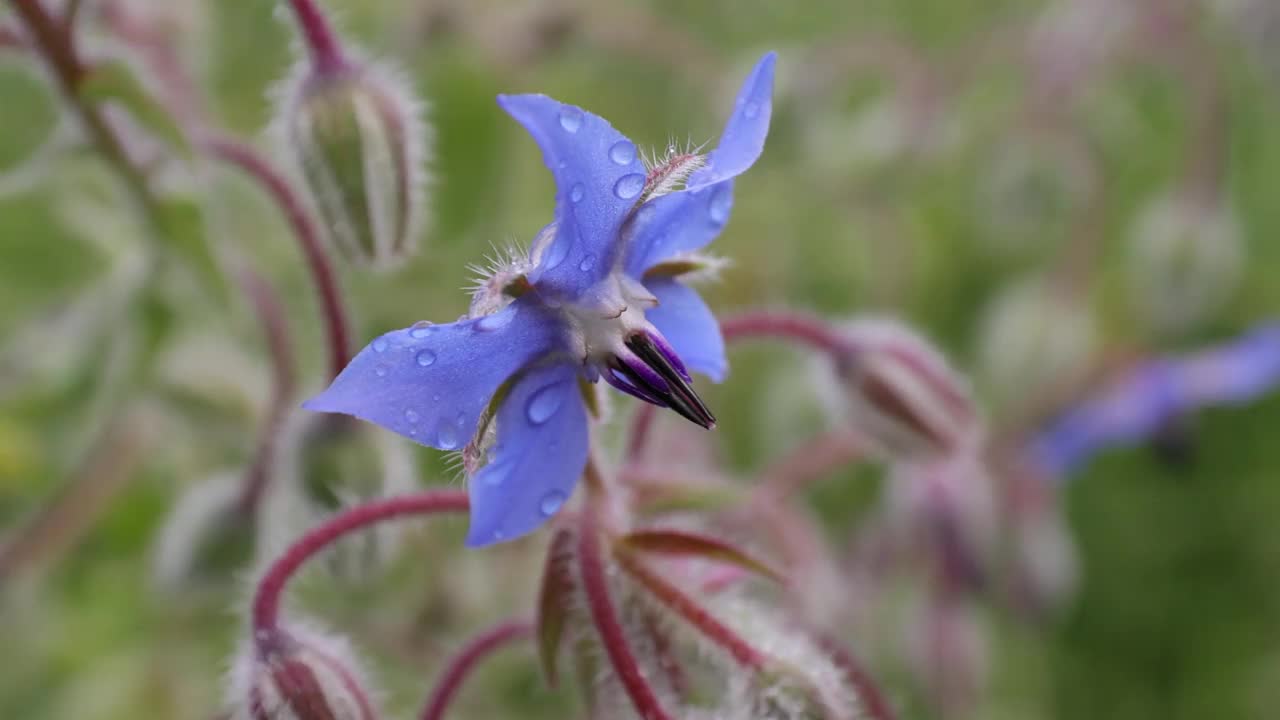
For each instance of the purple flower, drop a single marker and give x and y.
(598, 295)
(1147, 398)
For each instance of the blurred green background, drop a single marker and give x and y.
(927, 158)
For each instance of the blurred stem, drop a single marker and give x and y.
(462, 663)
(326, 52)
(52, 40)
(810, 461)
(641, 430)
(266, 601)
(872, 699)
(788, 325)
(604, 614)
(275, 329)
(332, 306)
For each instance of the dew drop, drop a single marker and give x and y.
(435, 398)
(551, 502)
(446, 437)
(412, 416)
(495, 321)
(421, 329)
(588, 261)
(577, 192)
(380, 345)
(629, 186)
(721, 203)
(461, 419)
(623, 152)
(543, 404)
(381, 370)
(556, 253)
(751, 110)
(570, 118)
(426, 357)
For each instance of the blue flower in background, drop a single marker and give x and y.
(1151, 395)
(597, 296)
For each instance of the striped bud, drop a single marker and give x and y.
(901, 394)
(299, 675)
(358, 139)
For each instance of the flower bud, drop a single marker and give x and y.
(901, 394)
(299, 674)
(1186, 258)
(357, 136)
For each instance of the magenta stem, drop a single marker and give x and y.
(872, 698)
(332, 308)
(266, 601)
(275, 329)
(461, 665)
(641, 430)
(799, 327)
(322, 44)
(595, 586)
(693, 613)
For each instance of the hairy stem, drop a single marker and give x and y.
(317, 34)
(872, 698)
(604, 615)
(462, 663)
(266, 601)
(332, 306)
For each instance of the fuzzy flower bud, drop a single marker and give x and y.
(1186, 258)
(902, 395)
(356, 134)
(299, 674)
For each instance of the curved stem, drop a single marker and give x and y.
(275, 329)
(332, 308)
(872, 698)
(799, 327)
(322, 44)
(697, 616)
(266, 601)
(467, 658)
(810, 461)
(604, 615)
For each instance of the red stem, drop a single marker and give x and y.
(326, 52)
(799, 327)
(641, 430)
(333, 311)
(595, 585)
(873, 701)
(275, 328)
(461, 665)
(693, 613)
(802, 465)
(266, 601)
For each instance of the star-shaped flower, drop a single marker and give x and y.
(598, 296)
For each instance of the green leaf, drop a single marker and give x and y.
(116, 81)
(181, 222)
(680, 542)
(554, 602)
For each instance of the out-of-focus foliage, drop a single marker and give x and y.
(942, 161)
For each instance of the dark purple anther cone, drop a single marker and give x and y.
(654, 373)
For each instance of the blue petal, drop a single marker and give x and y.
(743, 138)
(599, 177)
(686, 322)
(540, 453)
(689, 220)
(431, 384)
(1239, 372)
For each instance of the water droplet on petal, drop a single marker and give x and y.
(588, 261)
(381, 370)
(380, 345)
(570, 118)
(543, 404)
(551, 502)
(495, 321)
(628, 186)
(623, 152)
(446, 437)
(421, 329)
(751, 110)
(577, 192)
(721, 203)
(435, 398)
(412, 416)
(426, 357)
(557, 251)
(462, 419)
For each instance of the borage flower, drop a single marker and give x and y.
(599, 295)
